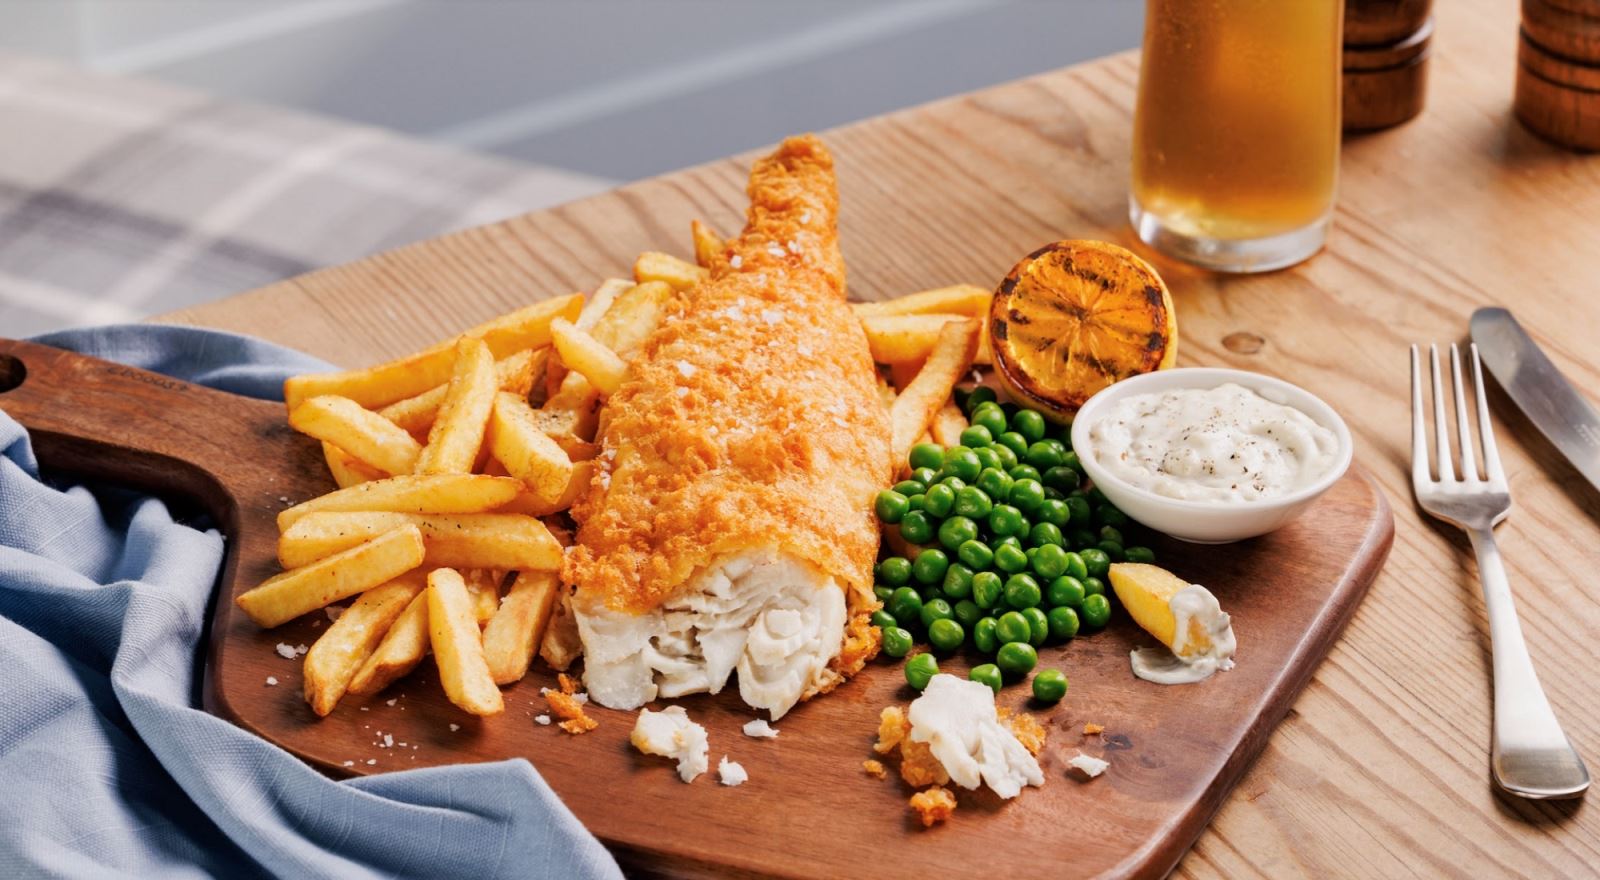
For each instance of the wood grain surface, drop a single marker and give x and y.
(1174, 752)
(1381, 767)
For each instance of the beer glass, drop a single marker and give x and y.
(1236, 135)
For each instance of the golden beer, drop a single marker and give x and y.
(1236, 136)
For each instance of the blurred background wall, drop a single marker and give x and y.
(617, 89)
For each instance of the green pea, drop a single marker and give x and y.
(1111, 549)
(1096, 610)
(1096, 560)
(975, 555)
(1025, 472)
(1093, 586)
(1139, 554)
(909, 488)
(1013, 627)
(991, 419)
(1076, 566)
(1010, 559)
(954, 484)
(929, 566)
(956, 531)
(1079, 516)
(940, 500)
(1022, 591)
(957, 581)
(929, 592)
(906, 606)
(1063, 623)
(895, 571)
(1026, 495)
(1014, 442)
(917, 527)
(1053, 511)
(962, 462)
(1049, 686)
(891, 506)
(968, 613)
(973, 502)
(1008, 541)
(1111, 517)
(1045, 535)
(1004, 520)
(1030, 424)
(927, 476)
(883, 619)
(987, 457)
(1061, 478)
(995, 483)
(920, 670)
(987, 588)
(1096, 497)
(1008, 456)
(896, 641)
(1071, 460)
(1016, 659)
(1081, 538)
(1050, 562)
(946, 634)
(1060, 446)
(1111, 533)
(976, 437)
(1038, 626)
(984, 637)
(1065, 591)
(935, 609)
(926, 455)
(915, 502)
(1044, 455)
(979, 395)
(988, 674)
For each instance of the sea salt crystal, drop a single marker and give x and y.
(772, 316)
(285, 650)
(775, 250)
(542, 719)
(371, 761)
(681, 391)
(333, 611)
(794, 246)
(390, 702)
(760, 729)
(685, 369)
(300, 649)
(736, 261)
(731, 773)
(454, 728)
(349, 763)
(805, 216)
(388, 741)
(272, 681)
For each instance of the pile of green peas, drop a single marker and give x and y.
(991, 522)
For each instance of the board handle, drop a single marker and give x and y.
(99, 420)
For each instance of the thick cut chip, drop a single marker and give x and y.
(409, 376)
(369, 437)
(708, 245)
(587, 355)
(464, 540)
(516, 629)
(596, 306)
(909, 339)
(526, 452)
(376, 559)
(458, 646)
(914, 410)
(948, 425)
(346, 470)
(483, 586)
(966, 300)
(529, 505)
(334, 659)
(656, 266)
(402, 648)
(457, 434)
(514, 374)
(433, 493)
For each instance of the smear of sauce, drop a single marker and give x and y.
(1189, 662)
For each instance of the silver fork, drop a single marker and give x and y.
(1530, 756)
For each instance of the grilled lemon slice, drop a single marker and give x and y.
(1076, 316)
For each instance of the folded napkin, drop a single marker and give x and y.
(107, 766)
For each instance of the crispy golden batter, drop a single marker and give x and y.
(1028, 731)
(933, 805)
(918, 766)
(874, 768)
(565, 707)
(1092, 728)
(892, 729)
(751, 417)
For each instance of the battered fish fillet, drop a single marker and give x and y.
(729, 527)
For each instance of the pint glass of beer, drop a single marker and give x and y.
(1236, 136)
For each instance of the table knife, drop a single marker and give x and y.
(1545, 396)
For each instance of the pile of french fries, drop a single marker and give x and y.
(456, 466)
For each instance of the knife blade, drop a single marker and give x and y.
(1544, 395)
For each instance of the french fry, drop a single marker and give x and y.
(402, 648)
(409, 376)
(596, 306)
(465, 540)
(561, 644)
(966, 300)
(433, 493)
(515, 630)
(346, 470)
(335, 657)
(369, 437)
(458, 645)
(571, 409)
(948, 425)
(527, 504)
(483, 587)
(526, 452)
(913, 411)
(587, 355)
(513, 373)
(708, 245)
(374, 560)
(898, 339)
(656, 266)
(457, 434)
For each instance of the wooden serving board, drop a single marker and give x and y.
(809, 809)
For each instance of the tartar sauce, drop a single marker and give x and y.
(1203, 641)
(1225, 444)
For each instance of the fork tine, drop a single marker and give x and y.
(1420, 474)
(1469, 464)
(1491, 452)
(1441, 425)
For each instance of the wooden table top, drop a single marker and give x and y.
(1381, 767)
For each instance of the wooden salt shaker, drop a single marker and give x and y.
(1558, 71)
(1386, 49)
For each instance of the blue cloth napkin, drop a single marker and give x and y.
(107, 766)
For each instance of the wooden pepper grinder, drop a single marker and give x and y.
(1386, 50)
(1558, 71)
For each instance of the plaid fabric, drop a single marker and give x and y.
(122, 198)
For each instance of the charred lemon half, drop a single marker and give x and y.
(1076, 316)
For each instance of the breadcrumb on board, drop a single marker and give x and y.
(874, 768)
(567, 704)
(933, 806)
